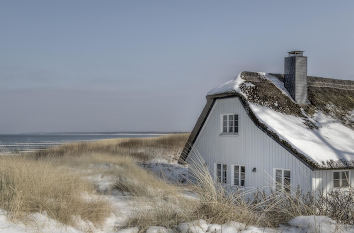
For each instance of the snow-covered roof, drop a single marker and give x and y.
(320, 133)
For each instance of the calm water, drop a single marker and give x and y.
(28, 142)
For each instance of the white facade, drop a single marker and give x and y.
(255, 150)
(322, 180)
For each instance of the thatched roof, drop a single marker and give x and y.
(330, 98)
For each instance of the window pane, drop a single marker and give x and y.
(224, 168)
(287, 180)
(345, 183)
(243, 178)
(218, 172)
(278, 180)
(278, 174)
(236, 123)
(336, 175)
(224, 124)
(231, 126)
(242, 183)
(243, 175)
(336, 184)
(236, 175)
(287, 174)
(345, 179)
(231, 123)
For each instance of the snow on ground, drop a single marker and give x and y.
(39, 223)
(125, 206)
(301, 224)
(172, 172)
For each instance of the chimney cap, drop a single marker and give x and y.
(296, 53)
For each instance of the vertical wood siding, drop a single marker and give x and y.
(251, 148)
(322, 180)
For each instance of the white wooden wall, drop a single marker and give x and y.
(322, 180)
(251, 148)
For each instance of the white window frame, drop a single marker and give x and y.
(282, 179)
(222, 178)
(228, 126)
(233, 175)
(340, 179)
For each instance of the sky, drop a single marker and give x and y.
(71, 65)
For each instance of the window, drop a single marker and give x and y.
(218, 172)
(341, 179)
(239, 175)
(224, 172)
(230, 123)
(282, 180)
(221, 173)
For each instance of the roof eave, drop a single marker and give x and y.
(207, 108)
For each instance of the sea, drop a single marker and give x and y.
(15, 143)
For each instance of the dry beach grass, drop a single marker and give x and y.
(167, 147)
(215, 205)
(35, 186)
(54, 181)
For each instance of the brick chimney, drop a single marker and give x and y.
(295, 76)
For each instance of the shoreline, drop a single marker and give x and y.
(35, 146)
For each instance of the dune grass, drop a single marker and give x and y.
(166, 147)
(215, 205)
(55, 181)
(35, 186)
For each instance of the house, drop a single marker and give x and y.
(278, 131)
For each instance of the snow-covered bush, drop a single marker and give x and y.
(338, 205)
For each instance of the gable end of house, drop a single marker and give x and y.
(211, 99)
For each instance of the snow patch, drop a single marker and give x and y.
(279, 84)
(331, 141)
(155, 229)
(230, 86)
(38, 223)
(172, 172)
(314, 224)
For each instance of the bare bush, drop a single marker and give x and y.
(338, 205)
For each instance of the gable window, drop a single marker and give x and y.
(230, 123)
(282, 180)
(341, 179)
(221, 173)
(239, 175)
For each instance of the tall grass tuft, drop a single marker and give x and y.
(217, 205)
(35, 186)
